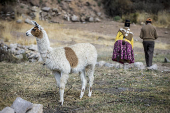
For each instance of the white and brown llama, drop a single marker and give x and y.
(62, 61)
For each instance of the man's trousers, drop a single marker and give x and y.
(149, 49)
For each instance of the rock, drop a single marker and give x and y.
(19, 21)
(34, 2)
(21, 106)
(5, 48)
(13, 46)
(99, 14)
(32, 60)
(54, 20)
(53, 13)
(55, 10)
(139, 65)
(166, 32)
(74, 18)
(66, 17)
(44, 14)
(7, 110)
(97, 20)
(19, 57)
(100, 63)
(37, 108)
(136, 40)
(32, 15)
(91, 19)
(34, 56)
(83, 19)
(46, 9)
(109, 65)
(153, 67)
(34, 9)
(28, 21)
(67, 0)
(118, 65)
(166, 60)
(33, 47)
(20, 51)
(142, 23)
(12, 50)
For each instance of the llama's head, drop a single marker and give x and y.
(35, 31)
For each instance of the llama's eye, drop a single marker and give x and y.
(34, 29)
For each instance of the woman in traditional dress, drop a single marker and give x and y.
(123, 47)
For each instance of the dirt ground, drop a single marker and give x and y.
(110, 28)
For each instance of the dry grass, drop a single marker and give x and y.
(114, 90)
(160, 20)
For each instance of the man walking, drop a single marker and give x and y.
(148, 34)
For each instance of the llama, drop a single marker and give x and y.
(62, 61)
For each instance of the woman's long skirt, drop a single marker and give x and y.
(123, 52)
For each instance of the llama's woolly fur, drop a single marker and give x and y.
(55, 59)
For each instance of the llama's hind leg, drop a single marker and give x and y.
(90, 72)
(84, 82)
(63, 81)
(57, 77)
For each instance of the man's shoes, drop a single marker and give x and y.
(153, 67)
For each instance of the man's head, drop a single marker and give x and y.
(149, 20)
(127, 23)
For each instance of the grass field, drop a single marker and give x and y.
(114, 90)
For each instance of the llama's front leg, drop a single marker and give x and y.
(84, 82)
(63, 81)
(90, 73)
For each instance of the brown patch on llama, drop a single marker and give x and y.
(36, 32)
(71, 57)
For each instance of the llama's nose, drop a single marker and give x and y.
(27, 34)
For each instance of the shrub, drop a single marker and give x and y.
(117, 18)
(59, 1)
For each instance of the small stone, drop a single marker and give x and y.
(34, 9)
(99, 14)
(13, 46)
(136, 40)
(166, 60)
(53, 14)
(28, 21)
(19, 21)
(21, 51)
(97, 20)
(91, 19)
(139, 65)
(100, 63)
(74, 18)
(67, 0)
(19, 57)
(33, 48)
(46, 9)
(55, 10)
(32, 60)
(166, 32)
(109, 65)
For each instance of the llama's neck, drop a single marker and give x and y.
(43, 44)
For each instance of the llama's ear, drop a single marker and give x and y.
(35, 23)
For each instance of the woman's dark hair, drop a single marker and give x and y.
(127, 23)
